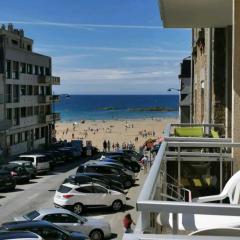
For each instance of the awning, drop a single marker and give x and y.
(196, 13)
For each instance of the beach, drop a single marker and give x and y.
(135, 131)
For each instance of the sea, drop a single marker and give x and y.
(107, 107)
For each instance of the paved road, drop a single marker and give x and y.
(39, 194)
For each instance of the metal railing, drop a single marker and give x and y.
(150, 202)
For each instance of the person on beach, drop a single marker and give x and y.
(108, 145)
(104, 146)
(127, 223)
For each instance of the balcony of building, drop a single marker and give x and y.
(49, 118)
(190, 14)
(49, 80)
(185, 169)
(5, 124)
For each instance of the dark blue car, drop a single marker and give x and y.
(46, 230)
(6, 235)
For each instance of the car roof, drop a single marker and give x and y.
(21, 161)
(32, 155)
(73, 186)
(29, 224)
(17, 235)
(44, 211)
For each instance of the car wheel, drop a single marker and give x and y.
(117, 205)
(128, 184)
(96, 235)
(78, 208)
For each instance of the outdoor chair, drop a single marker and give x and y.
(194, 222)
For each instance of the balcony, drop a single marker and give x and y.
(45, 99)
(185, 168)
(1, 98)
(5, 124)
(49, 80)
(55, 98)
(48, 118)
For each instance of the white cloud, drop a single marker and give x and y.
(152, 58)
(82, 26)
(112, 49)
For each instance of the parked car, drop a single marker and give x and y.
(56, 155)
(7, 182)
(19, 173)
(95, 151)
(131, 154)
(66, 153)
(116, 165)
(96, 229)
(46, 230)
(91, 195)
(40, 161)
(28, 166)
(18, 235)
(82, 179)
(110, 171)
(106, 179)
(128, 163)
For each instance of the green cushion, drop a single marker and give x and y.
(214, 134)
(188, 132)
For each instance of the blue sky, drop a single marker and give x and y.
(103, 47)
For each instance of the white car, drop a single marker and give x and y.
(39, 161)
(96, 229)
(90, 195)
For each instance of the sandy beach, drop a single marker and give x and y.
(136, 131)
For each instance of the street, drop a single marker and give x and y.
(39, 193)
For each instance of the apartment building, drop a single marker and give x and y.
(26, 100)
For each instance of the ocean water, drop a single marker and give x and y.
(105, 107)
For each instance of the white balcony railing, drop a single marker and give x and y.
(152, 201)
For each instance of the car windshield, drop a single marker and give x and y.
(26, 159)
(64, 189)
(31, 215)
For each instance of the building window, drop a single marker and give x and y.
(16, 119)
(36, 110)
(29, 47)
(42, 132)
(48, 91)
(42, 92)
(36, 90)
(8, 69)
(42, 109)
(15, 73)
(47, 71)
(19, 136)
(11, 139)
(29, 68)
(9, 93)
(30, 90)
(42, 73)
(36, 70)
(14, 42)
(37, 133)
(23, 90)
(9, 113)
(23, 68)
(15, 138)
(23, 112)
(48, 109)
(15, 93)
(30, 111)
(23, 137)
(26, 135)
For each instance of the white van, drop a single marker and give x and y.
(39, 161)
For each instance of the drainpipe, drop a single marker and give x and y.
(209, 77)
